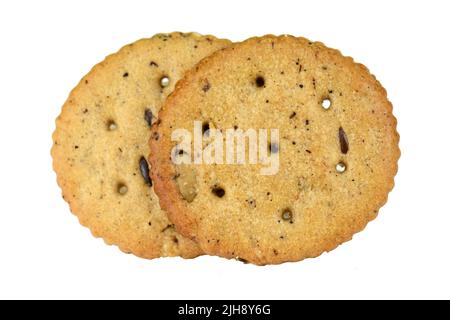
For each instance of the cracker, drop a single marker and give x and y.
(100, 143)
(338, 151)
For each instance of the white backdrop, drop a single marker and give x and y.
(47, 46)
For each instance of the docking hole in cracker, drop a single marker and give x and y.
(205, 128)
(326, 103)
(260, 82)
(218, 191)
(286, 215)
(111, 125)
(341, 167)
(122, 189)
(164, 81)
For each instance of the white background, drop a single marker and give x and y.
(47, 46)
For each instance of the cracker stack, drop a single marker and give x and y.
(322, 174)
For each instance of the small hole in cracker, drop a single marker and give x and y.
(286, 215)
(205, 129)
(326, 103)
(260, 82)
(341, 167)
(164, 81)
(218, 191)
(122, 189)
(111, 125)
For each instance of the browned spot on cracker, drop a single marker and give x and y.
(206, 86)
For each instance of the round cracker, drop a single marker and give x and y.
(100, 143)
(338, 151)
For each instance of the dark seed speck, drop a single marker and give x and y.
(145, 171)
(148, 116)
(343, 141)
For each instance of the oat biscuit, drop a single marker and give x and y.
(338, 151)
(101, 143)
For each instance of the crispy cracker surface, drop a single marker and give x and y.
(100, 143)
(338, 151)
